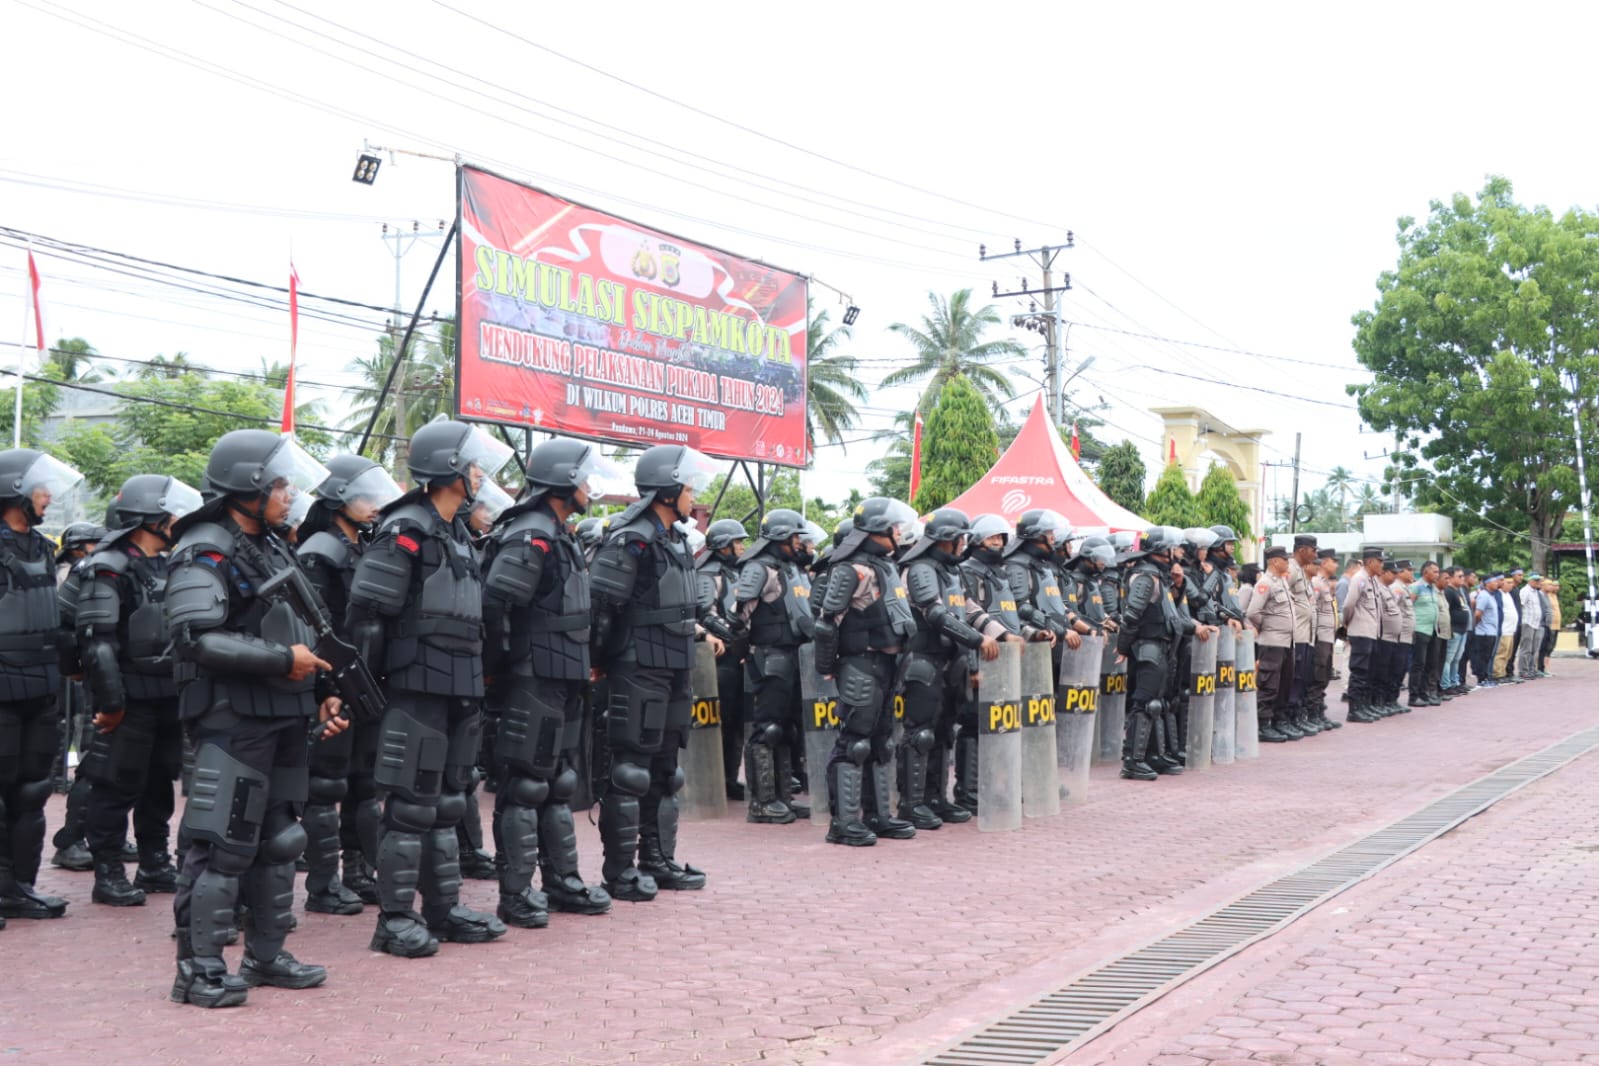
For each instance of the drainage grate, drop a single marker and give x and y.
(1096, 1001)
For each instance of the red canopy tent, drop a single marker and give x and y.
(1037, 470)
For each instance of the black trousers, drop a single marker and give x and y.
(1274, 680)
(1423, 650)
(1362, 664)
(1480, 649)
(1304, 665)
(1393, 659)
(1321, 673)
(132, 769)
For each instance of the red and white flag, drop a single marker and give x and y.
(1077, 445)
(1171, 456)
(38, 308)
(294, 344)
(916, 458)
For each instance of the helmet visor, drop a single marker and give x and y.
(373, 486)
(48, 478)
(1199, 537)
(691, 534)
(813, 534)
(603, 478)
(489, 502)
(293, 467)
(695, 470)
(988, 525)
(484, 452)
(904, 521)
(179, 499)
(298, 509)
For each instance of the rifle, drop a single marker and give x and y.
(362, 695)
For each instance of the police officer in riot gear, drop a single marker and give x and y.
(416, 613)
(1149, 623)
(342, 812)
(938, 664)
(71, 840)
(716, 573)
(30, 679)
(1088, 566)
(537, 615)
(1030, 566)
(865, 621)
(120, 625)
(645, 599)
(773, 597)
(246, 679)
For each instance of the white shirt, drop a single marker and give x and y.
(1510, 620)
(1531, 606)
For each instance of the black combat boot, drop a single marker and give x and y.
(111, 886)
(938, 787)
(847, 827)
(156, 874)
(1135, 741)
(879, 807)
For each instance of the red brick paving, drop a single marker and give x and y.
(1480, 948)
(797, 950)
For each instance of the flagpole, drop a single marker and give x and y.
(22, 353)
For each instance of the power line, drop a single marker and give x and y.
(1219, 348)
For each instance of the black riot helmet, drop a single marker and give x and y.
(1198, 539)
(355, 486)
(444, 450)
(247, 465)
(842, 530)
(1222, 550)
(664, 471)
(30, 479)
(1096, 552)
(1039, 524)
(562, 466)
(882, 516)
(944, 524)
(1162, 540)
(149, 500)
(779, 526)
(79, 537)
(724, 533)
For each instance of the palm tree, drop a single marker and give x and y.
(276, 375)
(1341, 480)
(72, 360)
(171, 369)
(831, 386)
(422, 389)
(949, 345)
(1370, 501)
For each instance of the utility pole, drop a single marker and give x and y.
(1293, 518)
(400, 241)
(1046, 322)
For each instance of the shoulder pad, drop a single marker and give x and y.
(324, 545)
(113, 559)
(205, 537)
(411, 516)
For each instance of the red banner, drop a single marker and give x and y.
(580, 323)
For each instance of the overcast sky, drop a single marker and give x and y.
(1232, 173)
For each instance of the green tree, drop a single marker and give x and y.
(832, 383)
(782, 490)
(949, 345)
(1171, 504)
(1121, 474)
(1220, 504)
(72, 360)
(1483, 338)
(958, 445)
(1339, 482)
(423, 389)
(1368, 501)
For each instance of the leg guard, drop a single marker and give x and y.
(215, 898)
(270, 889)
(561, 880)
(400, 852)
(658, 833)
(619, 819)
(321, 821)
(760, 761)
(517, 831)
(845, 786)
(785, 778)
(966, 772)
(880, 815)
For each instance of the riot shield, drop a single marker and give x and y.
(999, 741)
(1246, 741)
(1223, 733)
(1076, 701)
(819, 708)
(1111, 721)
(1201, 701)
(704, 794)
(1040, 784)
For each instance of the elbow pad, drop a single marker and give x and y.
(382, 581)
(104, 675)
(515, 574)
(826, 639)
(368, 635)
(238, 653)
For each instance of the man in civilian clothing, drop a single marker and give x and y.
(1362, 614)
(1509, 628)
(1424, 636)
(1485, 632)
(1513, 588)
(1454, 680)
(1532, 627)
(1551, 615)
(1351, 568)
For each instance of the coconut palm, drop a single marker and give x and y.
(949, 344)
(72, 360)
(831, 384)
(422, 389)
(1339, 482)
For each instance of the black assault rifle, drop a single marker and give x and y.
(362, 695)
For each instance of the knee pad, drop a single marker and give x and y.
(921, 740)
(409, 817)
(859, 751)
(770, 733)
(451, 808)
(1156, 707)
(33, 795)
(564, 785)
(228, 863)
(883, 749)
(527, 791)
(284, 845)
(328, 789)
(674, 784)
(630, 778)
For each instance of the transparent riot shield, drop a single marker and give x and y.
(1111, 721)
(704, 794)
(1040, 785)
(1224, 731)
(1076, 701)
(1201, 701)
(819, 708)
(1246, 741)
(999, 741)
